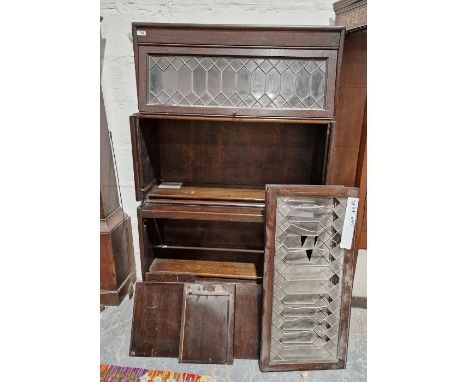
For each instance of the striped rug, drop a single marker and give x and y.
(112, 373)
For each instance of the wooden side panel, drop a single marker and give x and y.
(350, 108)
(143, 149)
(156, 319)
(247, 322)
(116, 255)
(107, 269)
(207, 323)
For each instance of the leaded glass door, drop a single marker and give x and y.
(237, 82)
(308, 276)
(264, 83)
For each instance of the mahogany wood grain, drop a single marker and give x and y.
(361, 182)
(248, 154)
(117, 268)
(156, 319)
(351, 103)
(247, 321)
(238, 35)
(214, 213)
(210, 193)
(150, 320)
(206, 268)
(207, 328)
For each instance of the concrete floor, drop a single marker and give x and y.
(115, 340)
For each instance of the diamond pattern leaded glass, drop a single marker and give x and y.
(307, 281)
(285, 83)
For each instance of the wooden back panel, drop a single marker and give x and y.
(233, 153)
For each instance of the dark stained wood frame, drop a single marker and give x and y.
(361, 182)
(273, 191)
(238, 40)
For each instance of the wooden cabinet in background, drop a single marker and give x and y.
(348, 158)
(117, 262)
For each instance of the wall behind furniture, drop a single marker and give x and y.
(118, 73)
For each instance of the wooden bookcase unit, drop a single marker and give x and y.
(225, 111)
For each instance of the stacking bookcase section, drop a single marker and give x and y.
(237, 70)
(223, 111)
(225, 160)
(308, 276)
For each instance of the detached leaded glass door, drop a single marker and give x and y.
(307, 279)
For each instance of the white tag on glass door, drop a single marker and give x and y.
(349, 223)
(141, 33)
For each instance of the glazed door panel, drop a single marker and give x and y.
(244, 82)
(237, 82)
(306, 277)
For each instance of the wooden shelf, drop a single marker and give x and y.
(208, 268)
(210, 193)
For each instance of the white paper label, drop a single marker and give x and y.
(175, 185)
(349, 223)
(141, 33)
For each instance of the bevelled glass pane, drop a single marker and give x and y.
(170, 80)
(287, 83)
(228, 82)
(214, 81)
(237, 81)
(273, 83)
(185, 81)
(318, 82)
(243, 81)
(302, 84)
(307, 279)
(156, 80)
(199, 80)
(258, 84)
